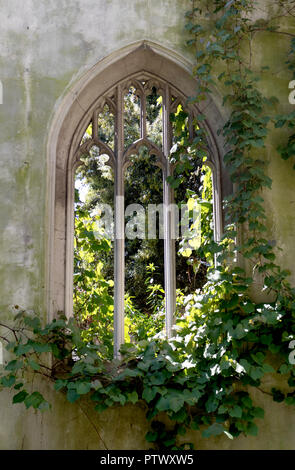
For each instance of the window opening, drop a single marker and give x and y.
(124, 162)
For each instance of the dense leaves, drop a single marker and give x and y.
(224, 342)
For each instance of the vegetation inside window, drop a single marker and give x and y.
(144, 251)
(224, 342)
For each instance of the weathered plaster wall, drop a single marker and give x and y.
(45, 47)
(78, 426)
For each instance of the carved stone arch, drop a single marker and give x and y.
(70, 121)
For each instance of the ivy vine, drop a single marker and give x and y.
(225, 342)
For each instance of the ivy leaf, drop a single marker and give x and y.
(267, 369)
(163, 404)
(149, 394)
(195, 424)
(96, 384)
(34, 400)
(244, 363)
(258, 412)
(266, 339)
(83, 388)
(14, 365)
(280, 123)
(132, 397)
(77, 368)
(90, 369)
(100, 407)
(240, 331)
(41, 347)
(8, 380)
(170, 402)
(120, 398)
(44, 406)
(213, 430)
(256, 373)
(20, 397)
(176, 403)
(59, 384)
(252, 429)
(18, 386)
(180, 416)
(151, 436)
(222, 409)
(290, 400)
(211, 404)
(159, 378)
(285, 369)
(22, 349)
(128, 373)
(248, 307)
(259, 357)
(236, 412)
(33, 323)
(33, 364)
(274, 348)
(247, 402)
(72, 395)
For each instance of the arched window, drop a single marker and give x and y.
(142, 71)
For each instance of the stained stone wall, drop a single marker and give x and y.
(46, 50)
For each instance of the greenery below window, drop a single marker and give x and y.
(224, 343)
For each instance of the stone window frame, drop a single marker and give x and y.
(70, 121)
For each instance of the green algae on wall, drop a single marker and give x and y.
(45, 49)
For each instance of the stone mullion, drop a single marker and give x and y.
(142, 116)
(169, 240)
(95, 124)
(119, 238)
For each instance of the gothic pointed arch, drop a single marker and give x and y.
(101, 85)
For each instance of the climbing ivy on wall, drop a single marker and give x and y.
(225, 342)
(287, 150)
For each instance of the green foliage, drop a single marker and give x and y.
(143, 185)
(224, 343)
(287, 150)
(93, 302)
(199, 378)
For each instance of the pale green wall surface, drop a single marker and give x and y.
(77, 426)
(45, 47)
